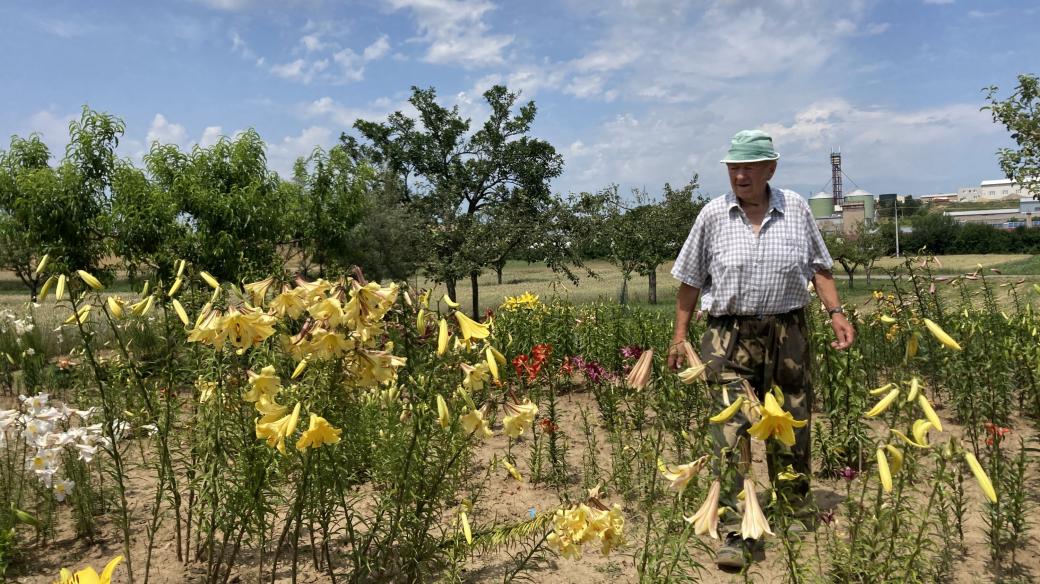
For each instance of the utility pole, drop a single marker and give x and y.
(895, 213)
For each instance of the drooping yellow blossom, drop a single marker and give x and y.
(318, 433)
(706, 519)
(369, 303)
(287, 304)
(754, 523)
(469, 329)
(205, 389)
(981, 476)
(639, 376)
(89, 576)
(912, 345)
(920, 431)
(207, 327)
(277, 431)
(929, 413)
(692, 373)
(180, 267)
(728, 412)
(883, 472)
(941, 336)
(377, 367)
(328, 344)
(897, 458)
(258, 290)
(89, 279)
(473, 423)
(775, 423)
(915, 387)
(246, 328)
(492, 362)
(265, 384)
(328, 310)
(519, 417)
(421, 322)
(681, 474)
(882, 405)
(883, 389)
(475, 376)
(442, 337)
(512, 470)
(300, 367)
(142, 307)
(46, 288)
(79, 316)
(443, 413)
(269, 410)
(447, 300)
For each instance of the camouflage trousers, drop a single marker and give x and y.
(763, 352)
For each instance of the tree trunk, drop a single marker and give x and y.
(623, 298)
(476, 295)
(498, 272)
(651, 295)
(449, 283)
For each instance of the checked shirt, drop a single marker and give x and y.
(741, 274)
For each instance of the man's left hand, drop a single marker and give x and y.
(843, 331)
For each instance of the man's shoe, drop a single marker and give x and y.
(735, 553)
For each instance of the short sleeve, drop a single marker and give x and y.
(819, 257)
(691, 267)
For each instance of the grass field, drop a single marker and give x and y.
(519, 277)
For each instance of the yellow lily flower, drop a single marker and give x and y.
(681, 474)
(754, 523)
(639, 376)
(89, 576)
(470, 329)
(442, 337)
(519, 418)
(929, 413)
(258, 290)
(475, 376)
(728, 412)
(473, 423)
(318, 433)
(443, 414)
(981, 476)
(447, 300)
(287, 304)
(277, 431)
(941, 336)
(883, 471)
(775, 423)
(60, 290)
(265, 384)
(706, 519)
(693, 373)
(512, 470)
(492, 362)
(89, 279)
(882, 405)
(115, 306)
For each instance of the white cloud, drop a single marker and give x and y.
(349, 65)
(210, 136)
(344, 116)
(282, 155)
(455, 31)
(164, 132)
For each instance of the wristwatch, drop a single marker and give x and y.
(835, 310)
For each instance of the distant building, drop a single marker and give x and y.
(938, 198)
(968, 194)
(986, 216)
(998, 190)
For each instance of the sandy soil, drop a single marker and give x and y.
(508, 499)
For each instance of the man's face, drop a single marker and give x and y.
(748, 179)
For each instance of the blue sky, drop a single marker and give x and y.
(633, 92)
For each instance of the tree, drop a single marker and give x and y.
(1020, 114)
(330, 195)
(62, 210)
(466, 187)
(233, 207)
(864, 248)
(645, 235)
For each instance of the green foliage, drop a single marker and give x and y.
(480, 195)
(862, 249)
(330, 191)
(1020, 114)
(234, 208)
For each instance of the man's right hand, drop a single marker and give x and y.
(676, 354)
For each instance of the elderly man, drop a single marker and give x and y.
(749, 258)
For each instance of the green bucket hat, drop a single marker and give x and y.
(750, 146)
